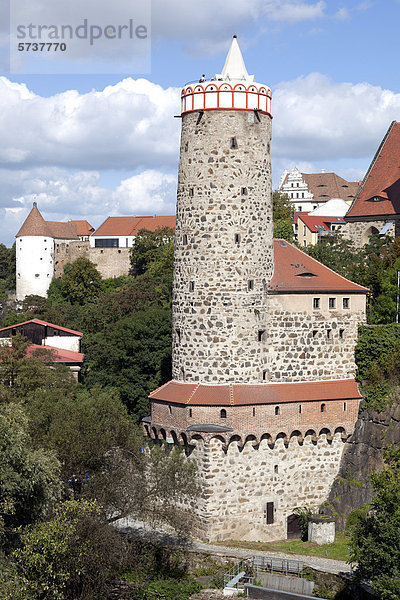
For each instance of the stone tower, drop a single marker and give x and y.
(223, 249)
(263, 395)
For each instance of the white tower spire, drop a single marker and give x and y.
(234, 67)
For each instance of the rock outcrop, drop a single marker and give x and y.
(363, 454)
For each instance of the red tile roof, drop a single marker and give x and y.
(45, 324)
(382, 180)
(82, 227)
(131, 225)
(59, 355)
(295, 271)
(317, 224)
(325, 186)
(263, 393)
(35, 225)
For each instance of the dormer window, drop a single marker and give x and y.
(377, 199)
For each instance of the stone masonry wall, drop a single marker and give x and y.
(110, 262)
(359, 231)
(304, 346)
(223, 246)
(240, 482)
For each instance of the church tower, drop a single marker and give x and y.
(223, 240)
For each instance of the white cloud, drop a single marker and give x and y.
(62, 195)
(317, 119)
(127, 125)
(342, 14)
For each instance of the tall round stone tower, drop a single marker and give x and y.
(224, 248)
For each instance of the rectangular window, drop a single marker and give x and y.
(264, 375)
(341, 334)
(191, 286)
(332, 303)
(191, 192)
(107, 243)
(237, 238)
(244, 191)
(316, 303)
(329, 334)
(305, 243)
(261, 335)
(250, 285)
(346, 302)
(269, 513)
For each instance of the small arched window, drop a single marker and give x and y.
(222, 414)
(277, 410)
(323, 407)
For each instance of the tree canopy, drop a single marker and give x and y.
(375, 539)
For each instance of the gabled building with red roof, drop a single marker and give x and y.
(376, 207)
(64, 343)
(120, 232)
(308, 191)
(313, 229)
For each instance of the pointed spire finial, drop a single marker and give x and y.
(35, 205)
(234, 67)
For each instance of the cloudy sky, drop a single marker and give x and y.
(94, 145)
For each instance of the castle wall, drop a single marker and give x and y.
(223, 246)
(240, 483)
(34, 265)
(259, 420)
(110, 262)
(308, 345)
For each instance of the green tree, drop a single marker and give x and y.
(283, 228)
(133, 357)
(81, 282)
(375, 539)
(69, 556)
(29, 477)
(152, 249)
(282, 207)
(7, 268)
(22, 374)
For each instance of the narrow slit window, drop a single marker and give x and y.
(237, 238)
(323, 408)
(344, 406)
(243, 191)
(234, 143)
(184, 239)
(276, 469)
(250, 285)
(190, 412)
(191, 192)
(299, 409)
(178, 336)
(222, 414)
(254, 411)
(269, 513)
(277, 410)
(261, 335)
(315, 333)
(170, 409)
(341, 334)
(186, 146)
(191, 286)
(329, 334)
(264, 375)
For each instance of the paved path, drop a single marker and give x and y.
(139, 529)
(327, 565)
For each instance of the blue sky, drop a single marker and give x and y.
(89, 146)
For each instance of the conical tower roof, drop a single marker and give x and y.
(234, 67)
(34, 225)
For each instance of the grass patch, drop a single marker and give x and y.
(337, 551)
